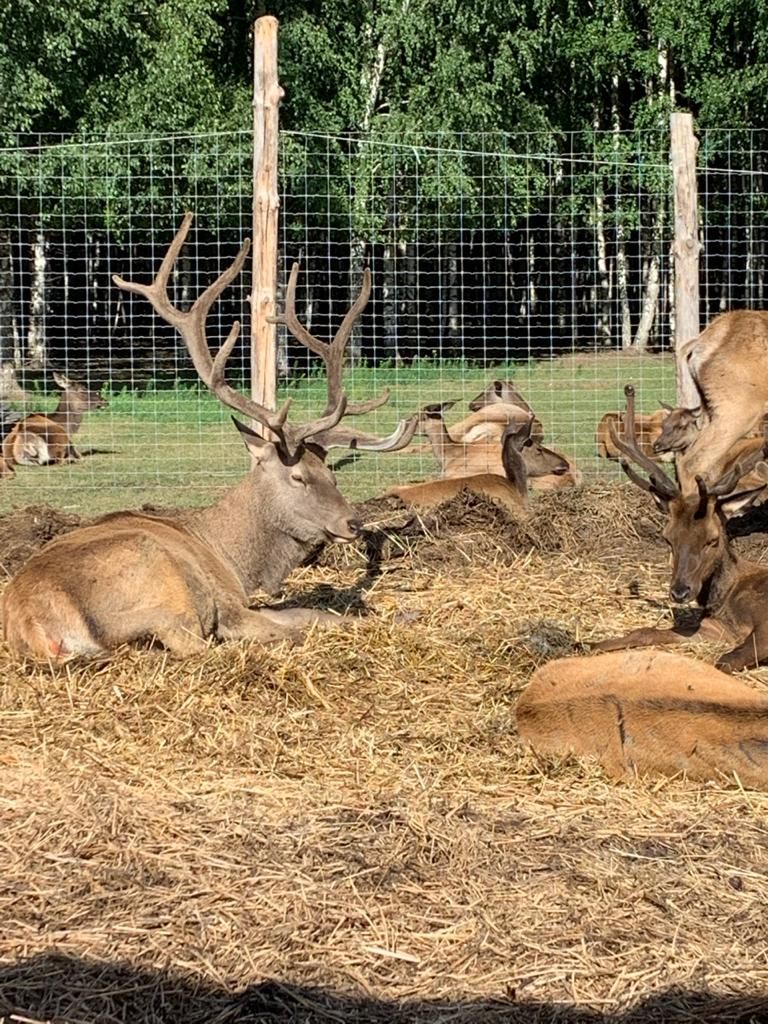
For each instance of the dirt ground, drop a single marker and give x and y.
(348, 829)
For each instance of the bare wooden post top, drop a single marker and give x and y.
(685, 248)
(266, 101)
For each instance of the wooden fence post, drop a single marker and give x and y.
(266, 201)
(683, 147)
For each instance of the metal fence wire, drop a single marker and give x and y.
(543, 258)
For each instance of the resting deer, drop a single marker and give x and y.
(728, 363)
(648, 713)
(187, 578)
(44, 438)
(732, 592)
(649, 429)
(510, 490)
(458, 459)
(501, 392)
(498, 405)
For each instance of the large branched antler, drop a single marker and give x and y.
(323, 432)
(658, 482)
(191, 325)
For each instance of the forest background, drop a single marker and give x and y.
(502, 166)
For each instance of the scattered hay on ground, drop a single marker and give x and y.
(24, 531)
(349, 830)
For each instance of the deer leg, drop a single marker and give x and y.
(302, 617)
(745, 655)
(645, 637)
(246, 624)
(72, 454)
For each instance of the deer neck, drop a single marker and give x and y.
(441, 441)
(68, 415)
(244, 536)
(717, 590)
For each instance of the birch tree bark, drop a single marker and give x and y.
(36, 344)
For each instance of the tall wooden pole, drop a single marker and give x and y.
(683, 147)
(266, 201)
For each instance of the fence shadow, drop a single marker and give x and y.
(54, 987)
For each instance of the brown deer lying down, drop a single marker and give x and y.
(187, 578)
(501, 392)
(459, 459)
(648, 428)
(510, 490)
(648, 713)
(498, 405)
(43, 438)
(705, 568)
(728, 362)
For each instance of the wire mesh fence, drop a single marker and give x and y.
(541, 258)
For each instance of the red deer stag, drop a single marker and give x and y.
(732, 592)
(728, 362)
(186, 578)
(510, 490)
(43, 438)
(459, 459)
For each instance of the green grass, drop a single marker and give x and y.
(178, 447)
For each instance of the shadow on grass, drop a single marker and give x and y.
(68, 990)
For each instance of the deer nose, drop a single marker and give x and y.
(680, 592)
(355, 526)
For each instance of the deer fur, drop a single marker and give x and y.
(460, 460)
(732, 592)
(649, 430)
(188, 578)
(500, 392)
(648, 713)
(44, 438)
(488, 424)
(511, 490)
(728, 363)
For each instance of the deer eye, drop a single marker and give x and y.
(297, 478)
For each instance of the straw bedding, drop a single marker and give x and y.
(348, 830)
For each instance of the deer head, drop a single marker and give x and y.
(679, 430)
(499, 391)
(288, 475)
(695, 529)
(77, 396)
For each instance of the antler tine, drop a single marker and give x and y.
(731, 477)
(659, 480)
(332, 353)
(191, 327)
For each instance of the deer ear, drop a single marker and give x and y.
(699, 416)
(260, 449)
(62, 381)
(735, 503)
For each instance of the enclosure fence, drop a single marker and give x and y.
(542, 258)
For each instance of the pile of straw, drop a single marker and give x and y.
(349, 830)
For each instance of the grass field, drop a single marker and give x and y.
(177, 447)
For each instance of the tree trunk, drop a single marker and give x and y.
(8, 325)
(36, 346)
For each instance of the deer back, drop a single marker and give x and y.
(648, 713)
(648, 428)
(37, 440)
(488, 423)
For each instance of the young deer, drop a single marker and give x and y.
(459, 459)
(44, 438)
(732, 592)
(186, 578)
(511, 490)
(649, 429)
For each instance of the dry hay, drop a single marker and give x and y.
(348, 830)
